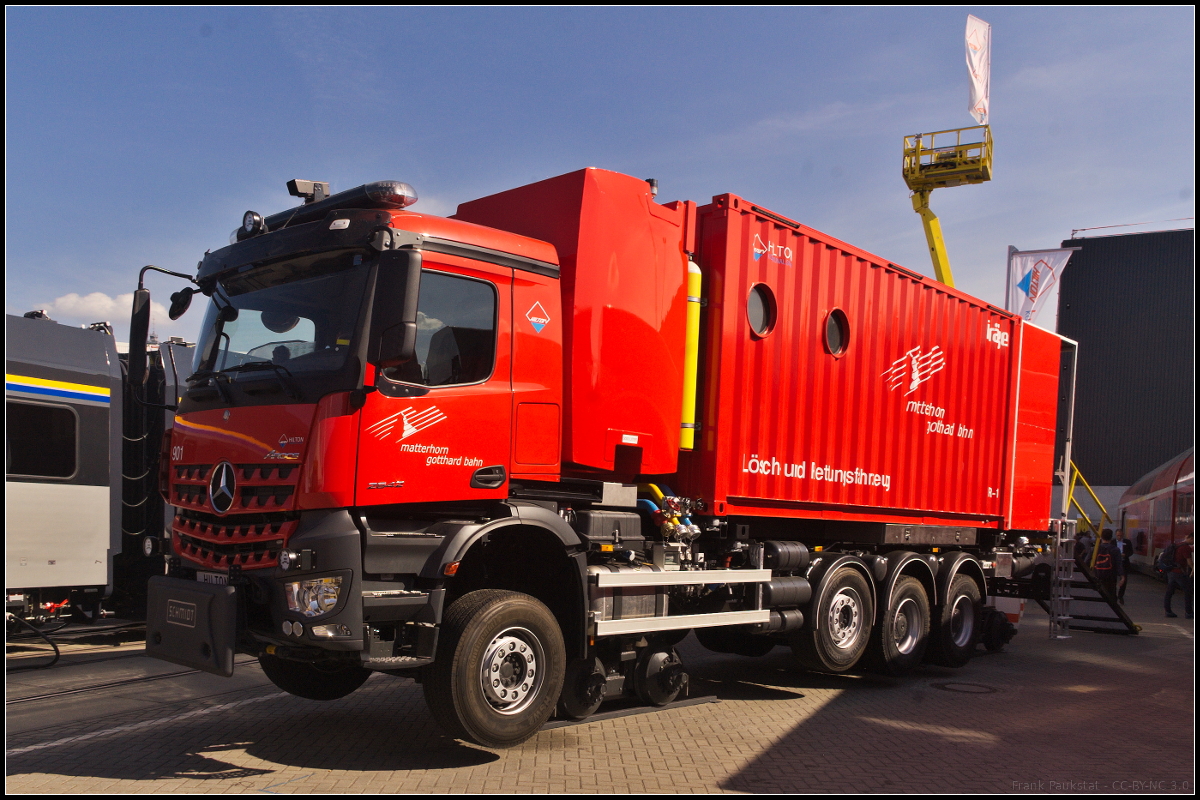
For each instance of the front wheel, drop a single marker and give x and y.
(313, 681)
(957, 631)
(842, 621)
(499, 668)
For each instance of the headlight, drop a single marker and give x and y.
(313, 597)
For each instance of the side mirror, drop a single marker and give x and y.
(180, 301)
(394, 309)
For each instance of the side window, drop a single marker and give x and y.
(456, 332)
(40, 441)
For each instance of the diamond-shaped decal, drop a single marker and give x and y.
(537, 317)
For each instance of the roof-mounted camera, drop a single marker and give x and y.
(311, 191)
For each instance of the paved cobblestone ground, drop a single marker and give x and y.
(1095, 713)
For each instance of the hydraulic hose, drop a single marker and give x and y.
(49, 641)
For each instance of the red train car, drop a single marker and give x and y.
(1160, 509)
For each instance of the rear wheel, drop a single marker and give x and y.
(900, 641)
(499, 668)
(957, 631)
(313, 681)
(843, 624)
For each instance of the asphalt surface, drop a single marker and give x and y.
(1092, 713)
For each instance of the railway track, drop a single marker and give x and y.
(107, 685)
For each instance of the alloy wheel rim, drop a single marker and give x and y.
(962, 621)
(511, 673)
(845, 618)
(905, 626)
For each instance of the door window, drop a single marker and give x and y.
(456, 332)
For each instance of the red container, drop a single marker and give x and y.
(913, 417)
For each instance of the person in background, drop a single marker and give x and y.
(1126, 548)
(1082, 552)
(1183, 577)
(1108, 568)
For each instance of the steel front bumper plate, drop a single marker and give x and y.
(192, 623)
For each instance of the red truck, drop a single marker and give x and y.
(519, 453)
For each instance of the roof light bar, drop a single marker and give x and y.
(381, 194)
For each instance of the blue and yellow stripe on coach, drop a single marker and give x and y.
(61, 390)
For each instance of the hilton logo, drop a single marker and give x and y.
(180, 613)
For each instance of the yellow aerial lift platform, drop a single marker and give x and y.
(936, 160)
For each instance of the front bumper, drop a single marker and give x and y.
(388, 621)
(193, 624)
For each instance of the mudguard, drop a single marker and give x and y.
(959, 562)
(900, 562)
(459, 537)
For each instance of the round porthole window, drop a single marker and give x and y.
(837, 332)
(760, 309)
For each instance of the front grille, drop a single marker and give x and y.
(261, 553)
(265, 495)
(259, 486)
(248, 540)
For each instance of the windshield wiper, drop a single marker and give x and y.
(282, 374)
(199, 381)
(251, 366)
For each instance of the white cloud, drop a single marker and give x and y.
(76, 309)
(97, 307)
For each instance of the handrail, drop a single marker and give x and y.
(1076, 475)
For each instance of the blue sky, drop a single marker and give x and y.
(139, 136)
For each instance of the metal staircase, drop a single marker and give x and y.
(1077, 600)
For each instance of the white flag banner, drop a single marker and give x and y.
(1033, 280)
(979, 64)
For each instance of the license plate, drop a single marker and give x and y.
(212, 577)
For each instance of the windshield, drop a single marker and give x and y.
(299, 314)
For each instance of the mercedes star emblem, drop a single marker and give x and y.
(221, 487)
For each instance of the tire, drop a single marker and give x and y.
(843, 624)
(958, 628)
(311, 681)
(516, 639)
(899, 643)
(997, 631)
(583, 689)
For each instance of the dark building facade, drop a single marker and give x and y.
(1129, 301)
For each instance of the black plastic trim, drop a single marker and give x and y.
(500, 258)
